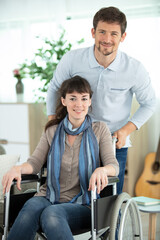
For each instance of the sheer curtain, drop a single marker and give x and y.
(20, 23)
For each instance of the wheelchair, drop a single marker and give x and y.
(108, 213)
(111, 214)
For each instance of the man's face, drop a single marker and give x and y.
(107, 37)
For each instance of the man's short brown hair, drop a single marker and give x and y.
(110, 15)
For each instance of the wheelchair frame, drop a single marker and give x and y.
(112, 182)
(25, 179)
(97, 227)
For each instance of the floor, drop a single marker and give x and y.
(145, 224)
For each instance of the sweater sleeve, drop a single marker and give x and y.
(39, 156)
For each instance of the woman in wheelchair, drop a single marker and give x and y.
(79, 154)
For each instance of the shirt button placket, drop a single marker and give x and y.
(100, 85)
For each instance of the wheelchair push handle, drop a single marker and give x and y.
(93, 192)
(114, 140)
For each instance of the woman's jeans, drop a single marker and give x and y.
(56, 221)
(121, 155)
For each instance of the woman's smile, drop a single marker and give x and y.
(77, 105)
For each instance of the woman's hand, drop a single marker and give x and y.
(13, 173)
(100, 178)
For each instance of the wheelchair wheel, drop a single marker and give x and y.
(126, 221)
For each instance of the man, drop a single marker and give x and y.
(114, 78)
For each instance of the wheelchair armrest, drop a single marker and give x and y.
(27, 178)
(112, 180)
(31, 177)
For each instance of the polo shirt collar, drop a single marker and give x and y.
(93, 62)
(114, 66)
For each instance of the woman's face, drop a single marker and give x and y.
(77, 105)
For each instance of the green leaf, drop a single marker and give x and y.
(45, 61)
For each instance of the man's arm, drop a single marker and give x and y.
(122, 134)
(145, 96)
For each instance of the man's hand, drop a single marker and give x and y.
(121, 138)
(122, 134)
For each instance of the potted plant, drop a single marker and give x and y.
(45, 61)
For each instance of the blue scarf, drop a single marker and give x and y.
(88, 160)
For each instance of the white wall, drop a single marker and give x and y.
(22, 20)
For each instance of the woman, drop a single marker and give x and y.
(75, 149)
